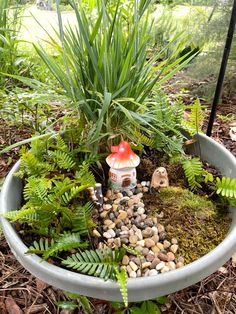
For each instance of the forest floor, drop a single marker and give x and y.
(20, 292)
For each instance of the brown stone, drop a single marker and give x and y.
(149, 242)
(170, 256)
(163, 257)
(122, 215)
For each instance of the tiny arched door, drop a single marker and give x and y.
(126, 182)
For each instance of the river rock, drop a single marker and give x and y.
(149, 243)
(174, 248)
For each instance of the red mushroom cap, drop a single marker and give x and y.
(122, 157)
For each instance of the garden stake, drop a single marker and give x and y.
(222, 69)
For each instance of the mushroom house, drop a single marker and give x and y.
(123, 162)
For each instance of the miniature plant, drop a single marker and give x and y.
(106, 74)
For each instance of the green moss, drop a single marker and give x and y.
(198, 223)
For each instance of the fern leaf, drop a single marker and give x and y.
(226, 187)
(62, 159)
(84, 176)
(19, 214)
(39, 247)
(193, 170)
(195, 120)
(121, 276)
(64, 242)
(99, 263)
(144, 140)
(82, 221)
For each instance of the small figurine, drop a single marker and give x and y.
(123, 162)
(96, 195)
(160, 178)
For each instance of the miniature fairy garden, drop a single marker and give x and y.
(118, 227)
(113, 194)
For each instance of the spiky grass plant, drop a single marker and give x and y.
(106, 71)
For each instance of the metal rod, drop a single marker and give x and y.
(222, 69)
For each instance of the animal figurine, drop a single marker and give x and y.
(159, 178)
(123, 162)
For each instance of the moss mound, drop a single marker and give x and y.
(198, 223)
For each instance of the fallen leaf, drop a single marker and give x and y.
(12, 307)
(40, 285)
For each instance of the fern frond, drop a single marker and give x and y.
(121, 277)
(34, 167)
(193, 170)
(63, 160)
(99, 263)
(195, 119)
(39, 247)
(19, 214)
(37, 188)
(226, 187)
(82, 222)
(144, 140)
(84, 176)
(64, 242)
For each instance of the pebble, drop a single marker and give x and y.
(141, 210)
(155, 238)
(149, 243)
(160, 266)
(125, 260)
(122, 215)
(107, 235)
(146, 265)
(160, 246)
(174, 241)
(160, 228)
(162, 257)
(117, 201)
(143, 183)
(132, 274)
(133, 239)
(96, 233)
(107, 206)
(141, 243)
(155, 249)
(165, 269)
(174, 248)
(171, 265)
(145, 251)
(115, 207)
(170, 256)
(152, 272)
(133, 266)
(155, 230)
(162, 236)
(154, 263)
(108, 222)
(150, 257)
(103, 214)
(112, 233)
(166, 244)
(147, 233)
(145, 189)
(179, 264)
(139, 234)
(112, 226)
